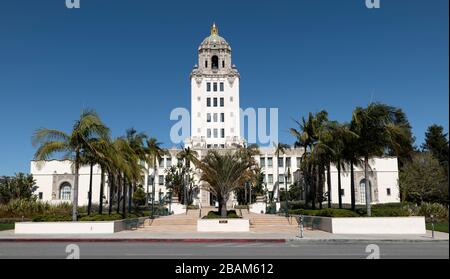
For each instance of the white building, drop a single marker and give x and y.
(215, 124)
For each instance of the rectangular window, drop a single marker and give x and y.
(222, 103)
(270, 178)
(299, 162)
(342, 192)
(208, 133)
(221, 87)
(208, 86)
(269, 162)
(388, 191)
(222, 117)
(208, 102)
(216, 135)
(215, 102)
(288, 162)
(215, 86)
(41, 195)
(222, 133)
(215, 117)
(281, 178)
(280, 162)
(262, 162)
(169, 162)
(161, 163)
(161, 180)
(289, 179)
(208, 117)
(206, 64)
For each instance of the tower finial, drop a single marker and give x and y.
(214, 29)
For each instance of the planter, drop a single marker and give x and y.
(368, 225)
(223, 225)
(101, 227)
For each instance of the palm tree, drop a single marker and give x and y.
(154, 153)
(224, 174)
(378, 134)
(280, 148)
(86, 128)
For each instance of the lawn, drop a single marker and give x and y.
(440, 227)
(6, 226)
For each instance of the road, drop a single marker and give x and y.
(292, 250)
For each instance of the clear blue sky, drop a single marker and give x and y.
(130, 60)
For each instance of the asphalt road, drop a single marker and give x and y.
(292, 250)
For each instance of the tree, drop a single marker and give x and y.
(280, 149)
(378, 134)
(154, 153)
(223, 174)
(73, 145)
(21, 186)
(424, 180)
(436, 142)
(139, 196)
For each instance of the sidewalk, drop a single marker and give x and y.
(140, 236)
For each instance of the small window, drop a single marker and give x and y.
(208, 102)
(41, 195)
(215, 62)
(270, 178)
(342, 192)
(215, 102)
(222, 102)
(169, 162)
(288, 162)
(208, 86)
(262, 162)
(231, 99)
(280, 162)
(65, 191)
(281, 178)
(221, 87)
(222, 133)
(161, 180)
(216, 134)
(215, 86)
(269, 162)
(208, 117)
(388, 191)
(208, 133)
(206, 64)
(223, 63)
(299, 162)
(222, 117)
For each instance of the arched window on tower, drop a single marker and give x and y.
(215, 62)
(65, 191)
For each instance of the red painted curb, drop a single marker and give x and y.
(145, 240)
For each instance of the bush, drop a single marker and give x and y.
(105, 217)
(30, 208)
(52, 218)
(327, 212)
(217, 215)
(296, 205)
(439, 211)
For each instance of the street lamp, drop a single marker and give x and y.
(153, 194)
(286, 175)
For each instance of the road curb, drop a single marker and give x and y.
(145, 240)
(338, 241)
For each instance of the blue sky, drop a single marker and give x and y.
(130, 60)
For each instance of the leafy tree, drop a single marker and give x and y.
(21, 186)
(436, 142)
(139, 196)
(423, 180)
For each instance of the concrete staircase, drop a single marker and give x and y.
(270, 223)
(174, 223)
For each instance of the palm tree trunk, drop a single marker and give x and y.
(223, 209)
(111, 192)
(352, 184)
(119, 193)
(339, 183)
(320, 185)
(75, 187)
(313, 188)
(368, 193)
(102, 188)
(90, 189)
(124, 209)
(130, 196)
(329, 184)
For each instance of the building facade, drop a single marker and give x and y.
(215, 124)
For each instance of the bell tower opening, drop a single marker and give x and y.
(215, 62)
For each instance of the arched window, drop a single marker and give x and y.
(362, 190)
(215, 62)
(65, 191)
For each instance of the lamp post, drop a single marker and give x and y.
(286, 175)
(153, 194)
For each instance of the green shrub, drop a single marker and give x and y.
(52, 218)
(293, 205)
(439, 211)
(217, 215)
(327, 212)
(30, 208)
